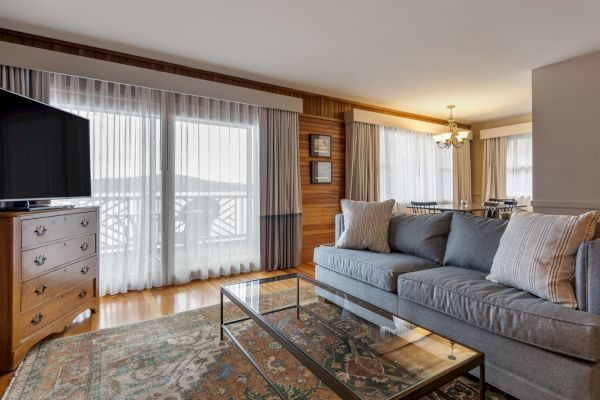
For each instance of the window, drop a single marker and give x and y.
(519, 167)
(413, 168)
(176, 178)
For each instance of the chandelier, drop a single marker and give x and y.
(454, 137)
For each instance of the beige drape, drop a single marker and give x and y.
(494, 168)
(280, 195)
(461, 171)
(362, 161)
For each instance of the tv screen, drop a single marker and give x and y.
(44, 151)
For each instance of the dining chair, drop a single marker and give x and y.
(509, 204)
(490, 209)
(423, 207)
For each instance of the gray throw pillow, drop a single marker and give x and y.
(473, 241)
(537, 254)
(366, 225)
(420, 235)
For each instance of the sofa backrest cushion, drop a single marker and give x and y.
(473, 241)
(422, 235)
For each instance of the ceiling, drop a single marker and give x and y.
(414, 56)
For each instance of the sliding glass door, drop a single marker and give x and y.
(214, 173)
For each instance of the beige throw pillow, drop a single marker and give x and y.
(537, 254)
(366, 225)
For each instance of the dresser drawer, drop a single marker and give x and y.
(45, 287)
(37, 318)
(37, 261)
(42, 230)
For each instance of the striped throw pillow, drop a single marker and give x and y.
(366, 225)
(537, 254)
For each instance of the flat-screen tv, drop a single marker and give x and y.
(44, 151)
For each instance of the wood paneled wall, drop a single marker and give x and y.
(320, 202)
(322, 114)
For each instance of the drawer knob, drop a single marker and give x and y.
(82, 293)
(85, 222)
(84, 246)
(40, 260)
(85, 269)
(40, 230)
(40, 289)
(37, 318)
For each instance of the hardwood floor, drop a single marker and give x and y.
(128, 308)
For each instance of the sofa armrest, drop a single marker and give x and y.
(339, 226)
(587, 277)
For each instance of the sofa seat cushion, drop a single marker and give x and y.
(376, 269)
(466, 295)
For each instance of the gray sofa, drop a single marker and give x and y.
(435, 277)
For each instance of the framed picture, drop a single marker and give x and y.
(320, 172)
(320, 145)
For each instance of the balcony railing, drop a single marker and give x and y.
(199, 219)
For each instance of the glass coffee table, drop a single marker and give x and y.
(356, 349)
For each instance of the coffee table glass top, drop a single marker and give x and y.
(355, 348)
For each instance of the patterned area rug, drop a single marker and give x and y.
(182, 357)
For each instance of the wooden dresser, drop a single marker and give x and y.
(48, 275)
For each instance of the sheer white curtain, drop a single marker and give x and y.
(126, 176)
(413, 168)
(176, 178)
(213, 156)
(519, 164)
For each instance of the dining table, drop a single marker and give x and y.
(470, 208)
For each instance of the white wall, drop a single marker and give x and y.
(566, 144)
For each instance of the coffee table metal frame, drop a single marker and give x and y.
(415, 392)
